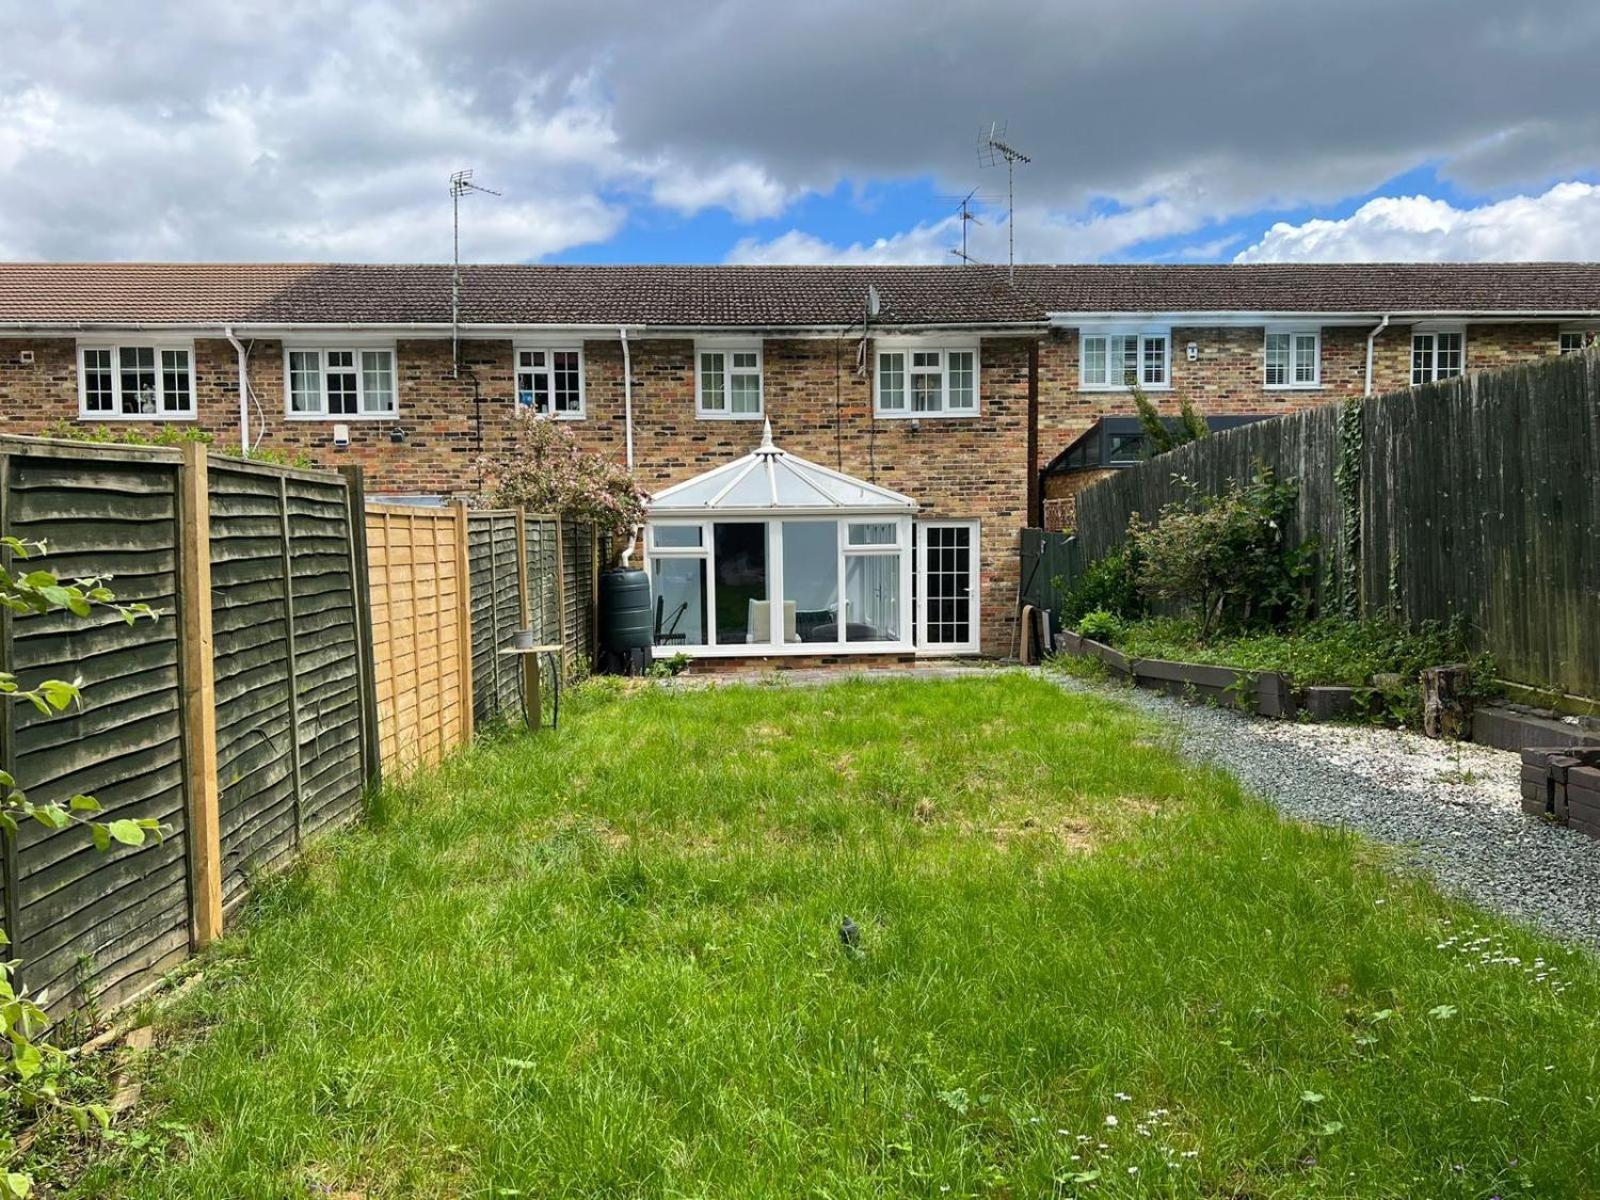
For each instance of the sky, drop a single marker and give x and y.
(825, 131)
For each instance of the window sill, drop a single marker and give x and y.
(341, 418)
(100, 416)
(1291, 387)
(961, 415)
(1125, 391)
(716, 416)
(787, 650)
(528, 414)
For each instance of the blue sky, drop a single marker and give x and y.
(740, 130)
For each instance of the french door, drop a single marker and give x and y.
(947, 587)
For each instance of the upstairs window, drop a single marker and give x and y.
(149, 382)
(326, 382)
(930, 382)
(728, 382)
(1436, 356)
(1575, 341)
(1293, 359)
(550, 382)
(1120, 360)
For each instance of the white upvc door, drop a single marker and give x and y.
(948, 596)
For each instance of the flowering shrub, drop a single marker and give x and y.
(544, 469)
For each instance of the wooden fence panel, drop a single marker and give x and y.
(1478, 498)
(1481, 499)
(88, 925)
(545, 590)
(327, 670)
(496, 590)
(250, 633)
(577, 555)
(1051, 562)
(423, 679)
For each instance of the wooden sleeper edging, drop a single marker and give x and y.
(1266, 693)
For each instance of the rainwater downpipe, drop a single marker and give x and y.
(1371, 338)
(627, 425)
(244, 390)
(627, 393)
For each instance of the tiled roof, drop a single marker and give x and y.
(762, 296)
(1317, 287)
(555, 295)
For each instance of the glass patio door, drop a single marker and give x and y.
(947, 586)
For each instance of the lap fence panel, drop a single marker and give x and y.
(89, 926)
(250, 604)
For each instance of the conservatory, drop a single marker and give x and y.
(771, 554)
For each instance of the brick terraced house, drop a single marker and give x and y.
(833, 475)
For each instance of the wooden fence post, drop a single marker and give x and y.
(201, 788)
(8, 751)
(361, 587)
(464, 611)
(594, 595)
(561, 596)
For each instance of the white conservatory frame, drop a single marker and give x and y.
(770, 487)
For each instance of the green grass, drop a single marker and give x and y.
(605, 962)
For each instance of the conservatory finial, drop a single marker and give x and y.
(766, 435)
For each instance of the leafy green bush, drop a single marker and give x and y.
(1107, 583)
(174, 436)
(1227, 557)
(1102, 626)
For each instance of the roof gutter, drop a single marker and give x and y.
(244, 390)
(1371, 338)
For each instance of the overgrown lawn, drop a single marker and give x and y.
(606, 962)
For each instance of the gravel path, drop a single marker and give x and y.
(1454, 808)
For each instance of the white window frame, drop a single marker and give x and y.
(116, 346)
(1432, 332)
(1587, 336)
(1144, 334)
(1294, 334)
(520, 348)
(706, 551)
(974, 585)
(944, 349)
(727, 349)
(322, 350)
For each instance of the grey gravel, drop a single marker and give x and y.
(1454, 811)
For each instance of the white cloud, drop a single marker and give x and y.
(923, 244)
(329, 129)
(744, 189)
(1562, 223)
(1043, 235)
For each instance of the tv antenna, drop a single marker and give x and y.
(967, 217)
(460, 185)
(992, 147)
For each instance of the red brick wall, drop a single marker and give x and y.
(820, 409)
(968, 467)
(1227, 377)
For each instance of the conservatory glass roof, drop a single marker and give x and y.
(769, 479)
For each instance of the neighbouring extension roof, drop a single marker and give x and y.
(763, 296)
